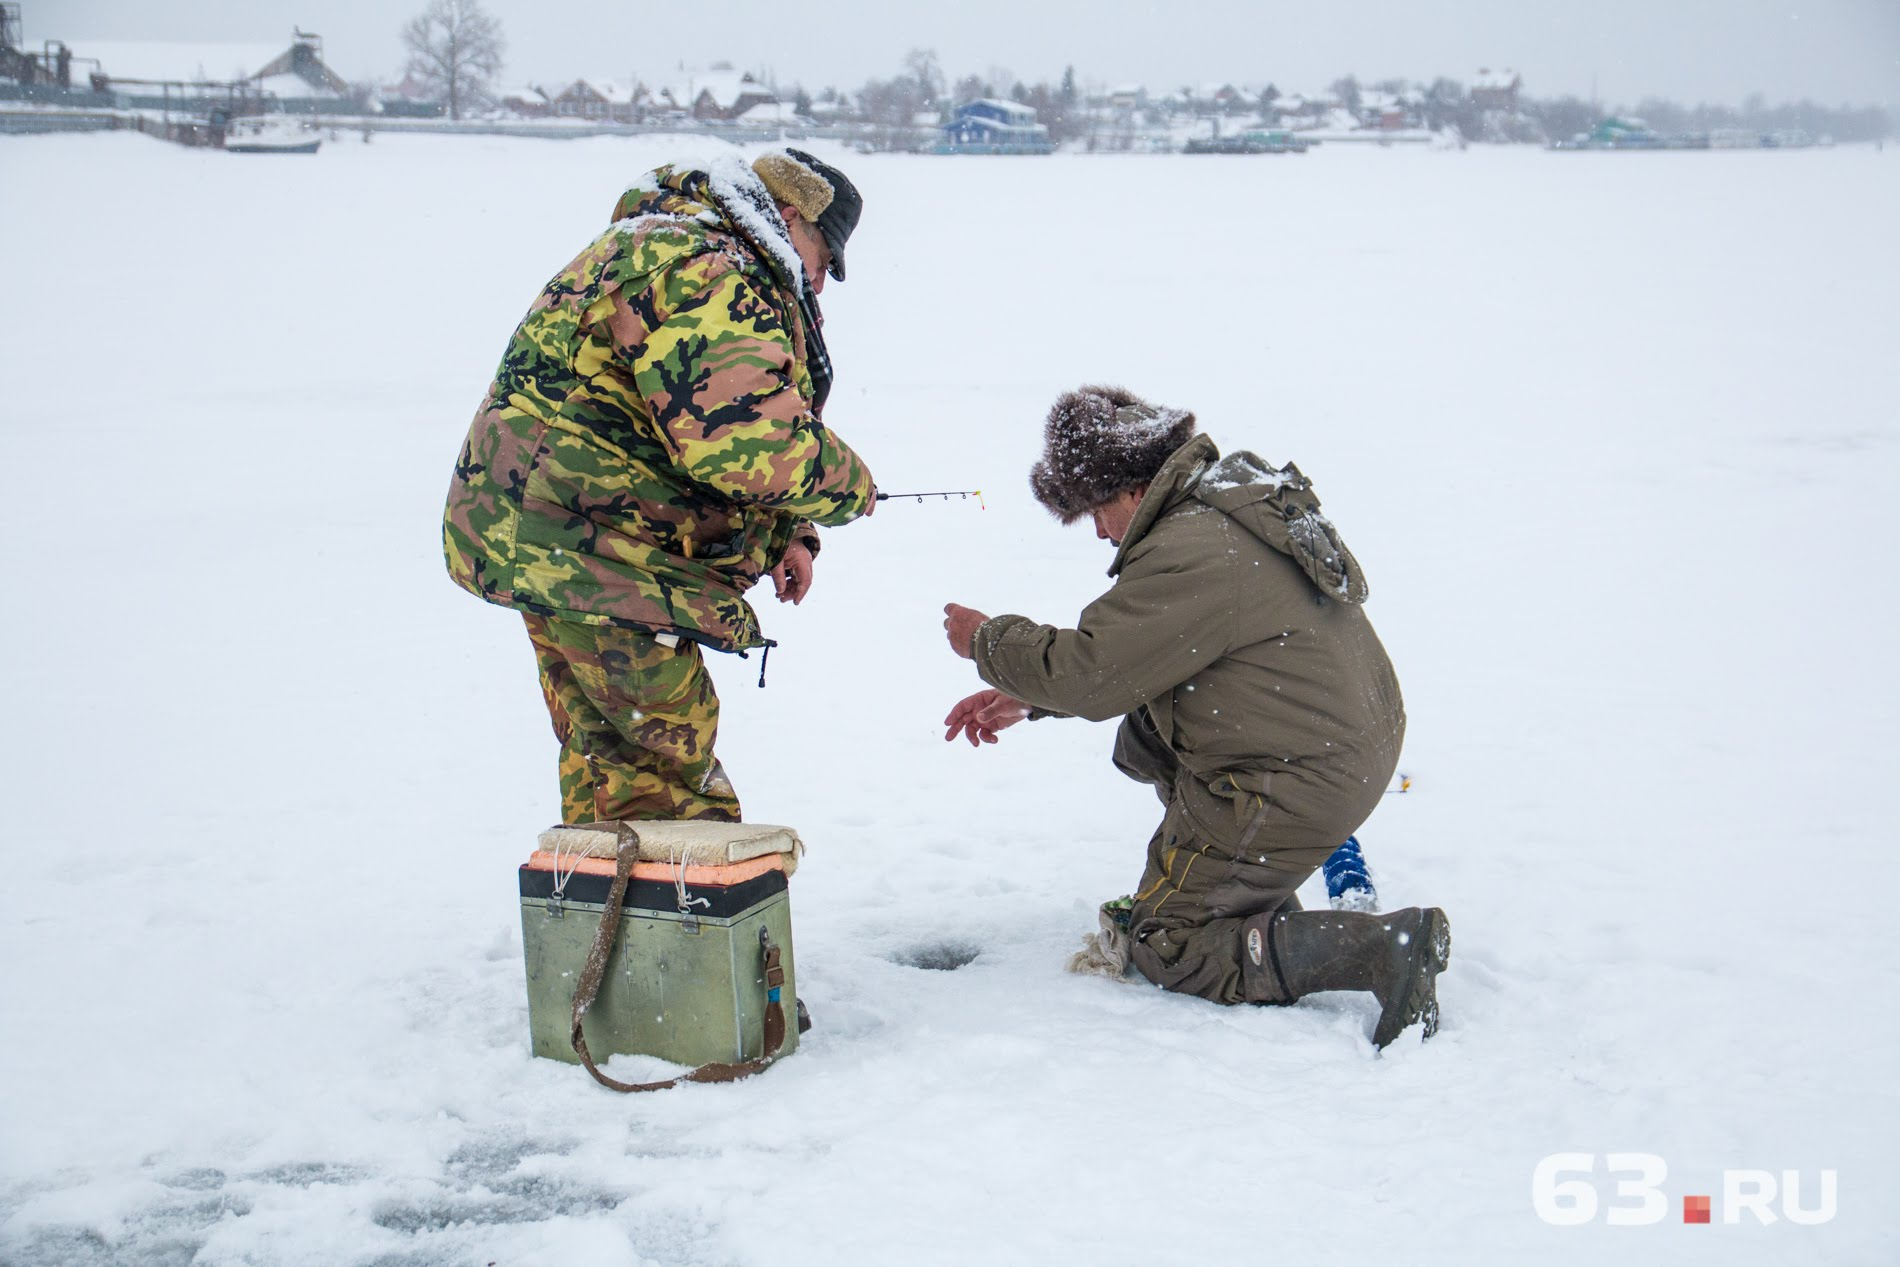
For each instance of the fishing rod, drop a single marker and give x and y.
(963, 494)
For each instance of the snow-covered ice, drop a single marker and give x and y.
(1614, 437)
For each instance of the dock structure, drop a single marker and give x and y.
(186, 93)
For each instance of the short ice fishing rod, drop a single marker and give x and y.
(964, 494)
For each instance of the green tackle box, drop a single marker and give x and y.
(686, 980)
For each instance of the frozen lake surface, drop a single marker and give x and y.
(1614, 435)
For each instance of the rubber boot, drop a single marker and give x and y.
(1397, 956)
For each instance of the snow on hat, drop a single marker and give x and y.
(1100, 442)
(817, 191)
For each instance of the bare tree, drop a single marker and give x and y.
(1447, 106)
(455, 48)
(1055, 108)
(1564, 117)
(921, 65)
(971, 88)
(893, 106)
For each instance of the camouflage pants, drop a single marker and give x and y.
(636, 720)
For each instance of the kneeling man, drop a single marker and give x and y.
(1253, 695)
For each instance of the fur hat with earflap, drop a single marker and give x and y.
(1100, 442)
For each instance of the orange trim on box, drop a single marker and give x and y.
(719, 877)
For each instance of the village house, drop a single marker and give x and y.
(601, 100)
(1496, 89)
(718, 93)
(530, 101)
(771, 114)
(1297, 110)
(579, 100)
(409, 98)
(992, 126)
(1220, 98)
(1387, 111)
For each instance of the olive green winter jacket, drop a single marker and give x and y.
(1233, 643)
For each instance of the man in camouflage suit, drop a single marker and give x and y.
(650, 448)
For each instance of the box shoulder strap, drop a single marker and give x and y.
(626, 854)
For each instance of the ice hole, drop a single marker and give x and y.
(942, 956)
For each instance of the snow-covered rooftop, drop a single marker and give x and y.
(724, 86)
(1015, 109)
(288, 85)
(619, 92)
(769, 112)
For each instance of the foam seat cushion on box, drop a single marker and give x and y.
(693, 842)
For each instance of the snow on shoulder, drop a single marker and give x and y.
(743, 196)
(1241, 469)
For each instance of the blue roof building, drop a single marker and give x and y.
(989, 126)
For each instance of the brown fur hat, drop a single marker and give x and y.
(1100, 442)
(792, 184)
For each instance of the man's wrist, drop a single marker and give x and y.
(977, 629)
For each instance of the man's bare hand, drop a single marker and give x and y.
(959, 625)
(980, 716)
(792, 577)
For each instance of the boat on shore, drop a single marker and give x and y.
(1634, 134)
(270, 134)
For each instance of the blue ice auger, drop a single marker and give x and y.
(1348, 883)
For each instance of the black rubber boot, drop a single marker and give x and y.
(1397, 956)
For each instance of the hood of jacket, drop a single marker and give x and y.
(1276, 505)
(723, 197)
(726, 196)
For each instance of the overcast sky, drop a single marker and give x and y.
(1693, 50)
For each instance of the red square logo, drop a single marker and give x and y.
(1695, 1209)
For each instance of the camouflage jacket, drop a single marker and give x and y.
(650, 445)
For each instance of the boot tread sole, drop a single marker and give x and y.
(1418, 998)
